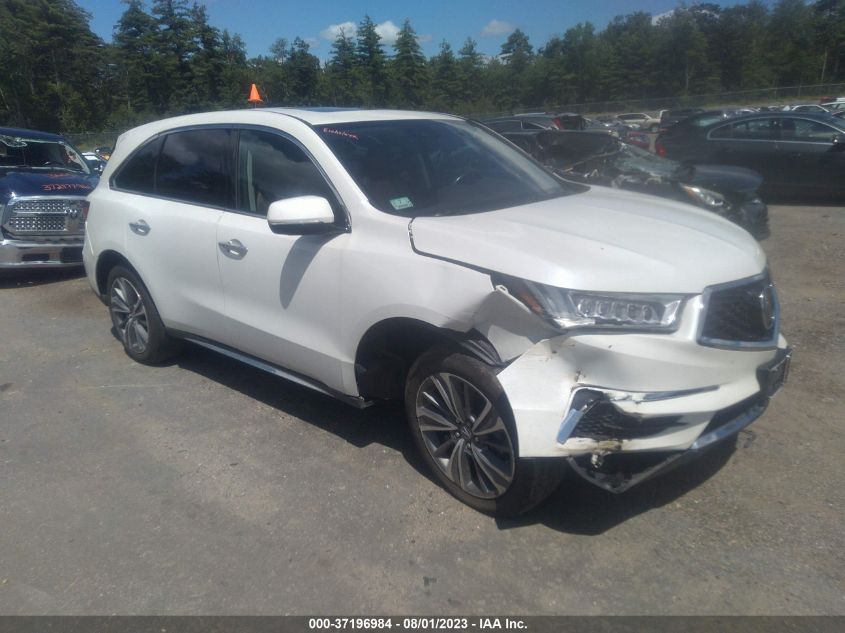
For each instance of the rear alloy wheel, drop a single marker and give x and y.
(462, 424)
(136, 320)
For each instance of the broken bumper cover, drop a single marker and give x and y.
(18, 254)
(594, 398)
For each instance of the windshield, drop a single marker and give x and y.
(630, 158)
(21, 152)
(437, 167)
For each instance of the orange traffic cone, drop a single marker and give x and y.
(254, 97)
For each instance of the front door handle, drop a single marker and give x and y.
(140, 227)
(233, 248)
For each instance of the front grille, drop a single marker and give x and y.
(605, 422)
(744, 313)
(57, 217)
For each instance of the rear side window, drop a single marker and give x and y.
(195, 166)
(138, 174)
(271, 167)
(753, 130)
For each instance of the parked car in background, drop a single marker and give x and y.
(639, 139)
(669, 117)
(95, 162)
(537, 121)
(43, 184)
(104, 152)
(593, 159)
(527, 322)
(798, 154)
(809, 107)
(641, 120)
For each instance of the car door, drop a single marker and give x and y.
(751, 143)
(171, 230)
(815, 164)
(281, 292)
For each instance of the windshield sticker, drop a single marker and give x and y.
(63, 186)
(401, 203)
(344, 134)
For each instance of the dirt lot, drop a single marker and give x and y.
(208, 487)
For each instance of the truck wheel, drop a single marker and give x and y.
(462, 424)
(136, 320)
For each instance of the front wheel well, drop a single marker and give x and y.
(389, 348)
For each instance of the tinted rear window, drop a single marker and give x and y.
(196, 166)
(138, 174)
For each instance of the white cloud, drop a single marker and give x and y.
(497, 27)
(656, 18)
(331, 32)
(388, 32)
(427, 37)
(313, 42)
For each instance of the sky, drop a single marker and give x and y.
(488, 22)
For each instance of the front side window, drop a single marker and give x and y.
(807, 131)
(438, 167)
(270, 168)
(195, 166)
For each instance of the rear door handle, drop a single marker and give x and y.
(233, 248)
(140, 227)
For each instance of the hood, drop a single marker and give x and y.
(45, 183)
(603, 239)
(724, 178)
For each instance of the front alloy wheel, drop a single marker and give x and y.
(465, 435)
(462, 424)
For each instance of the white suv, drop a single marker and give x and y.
(527, 322)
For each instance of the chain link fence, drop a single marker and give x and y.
(758, 97)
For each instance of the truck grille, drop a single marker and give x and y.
(741, 312)
(55, 216)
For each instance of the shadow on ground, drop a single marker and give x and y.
(577, 507)
(38, 276)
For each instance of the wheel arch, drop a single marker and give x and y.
(389, 347)
(105, 262)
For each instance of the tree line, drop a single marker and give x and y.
(58, 75)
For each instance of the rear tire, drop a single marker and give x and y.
(462, 424)
(136, 320)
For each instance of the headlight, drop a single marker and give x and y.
(706, 197)
(567, 309)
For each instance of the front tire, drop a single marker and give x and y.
(462, 424)
(136, 320)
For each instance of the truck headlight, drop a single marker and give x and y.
(567, 309)
(710, 199)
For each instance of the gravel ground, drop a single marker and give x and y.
(207, 487)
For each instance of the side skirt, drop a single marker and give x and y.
(270, 368)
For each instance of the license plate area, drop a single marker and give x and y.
(773, 375)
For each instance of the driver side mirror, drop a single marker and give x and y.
(302, 215)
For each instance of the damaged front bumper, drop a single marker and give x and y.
(623, 407)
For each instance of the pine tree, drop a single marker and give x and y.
(408, 69)
(372, 64)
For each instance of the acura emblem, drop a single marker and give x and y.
(767, 306)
